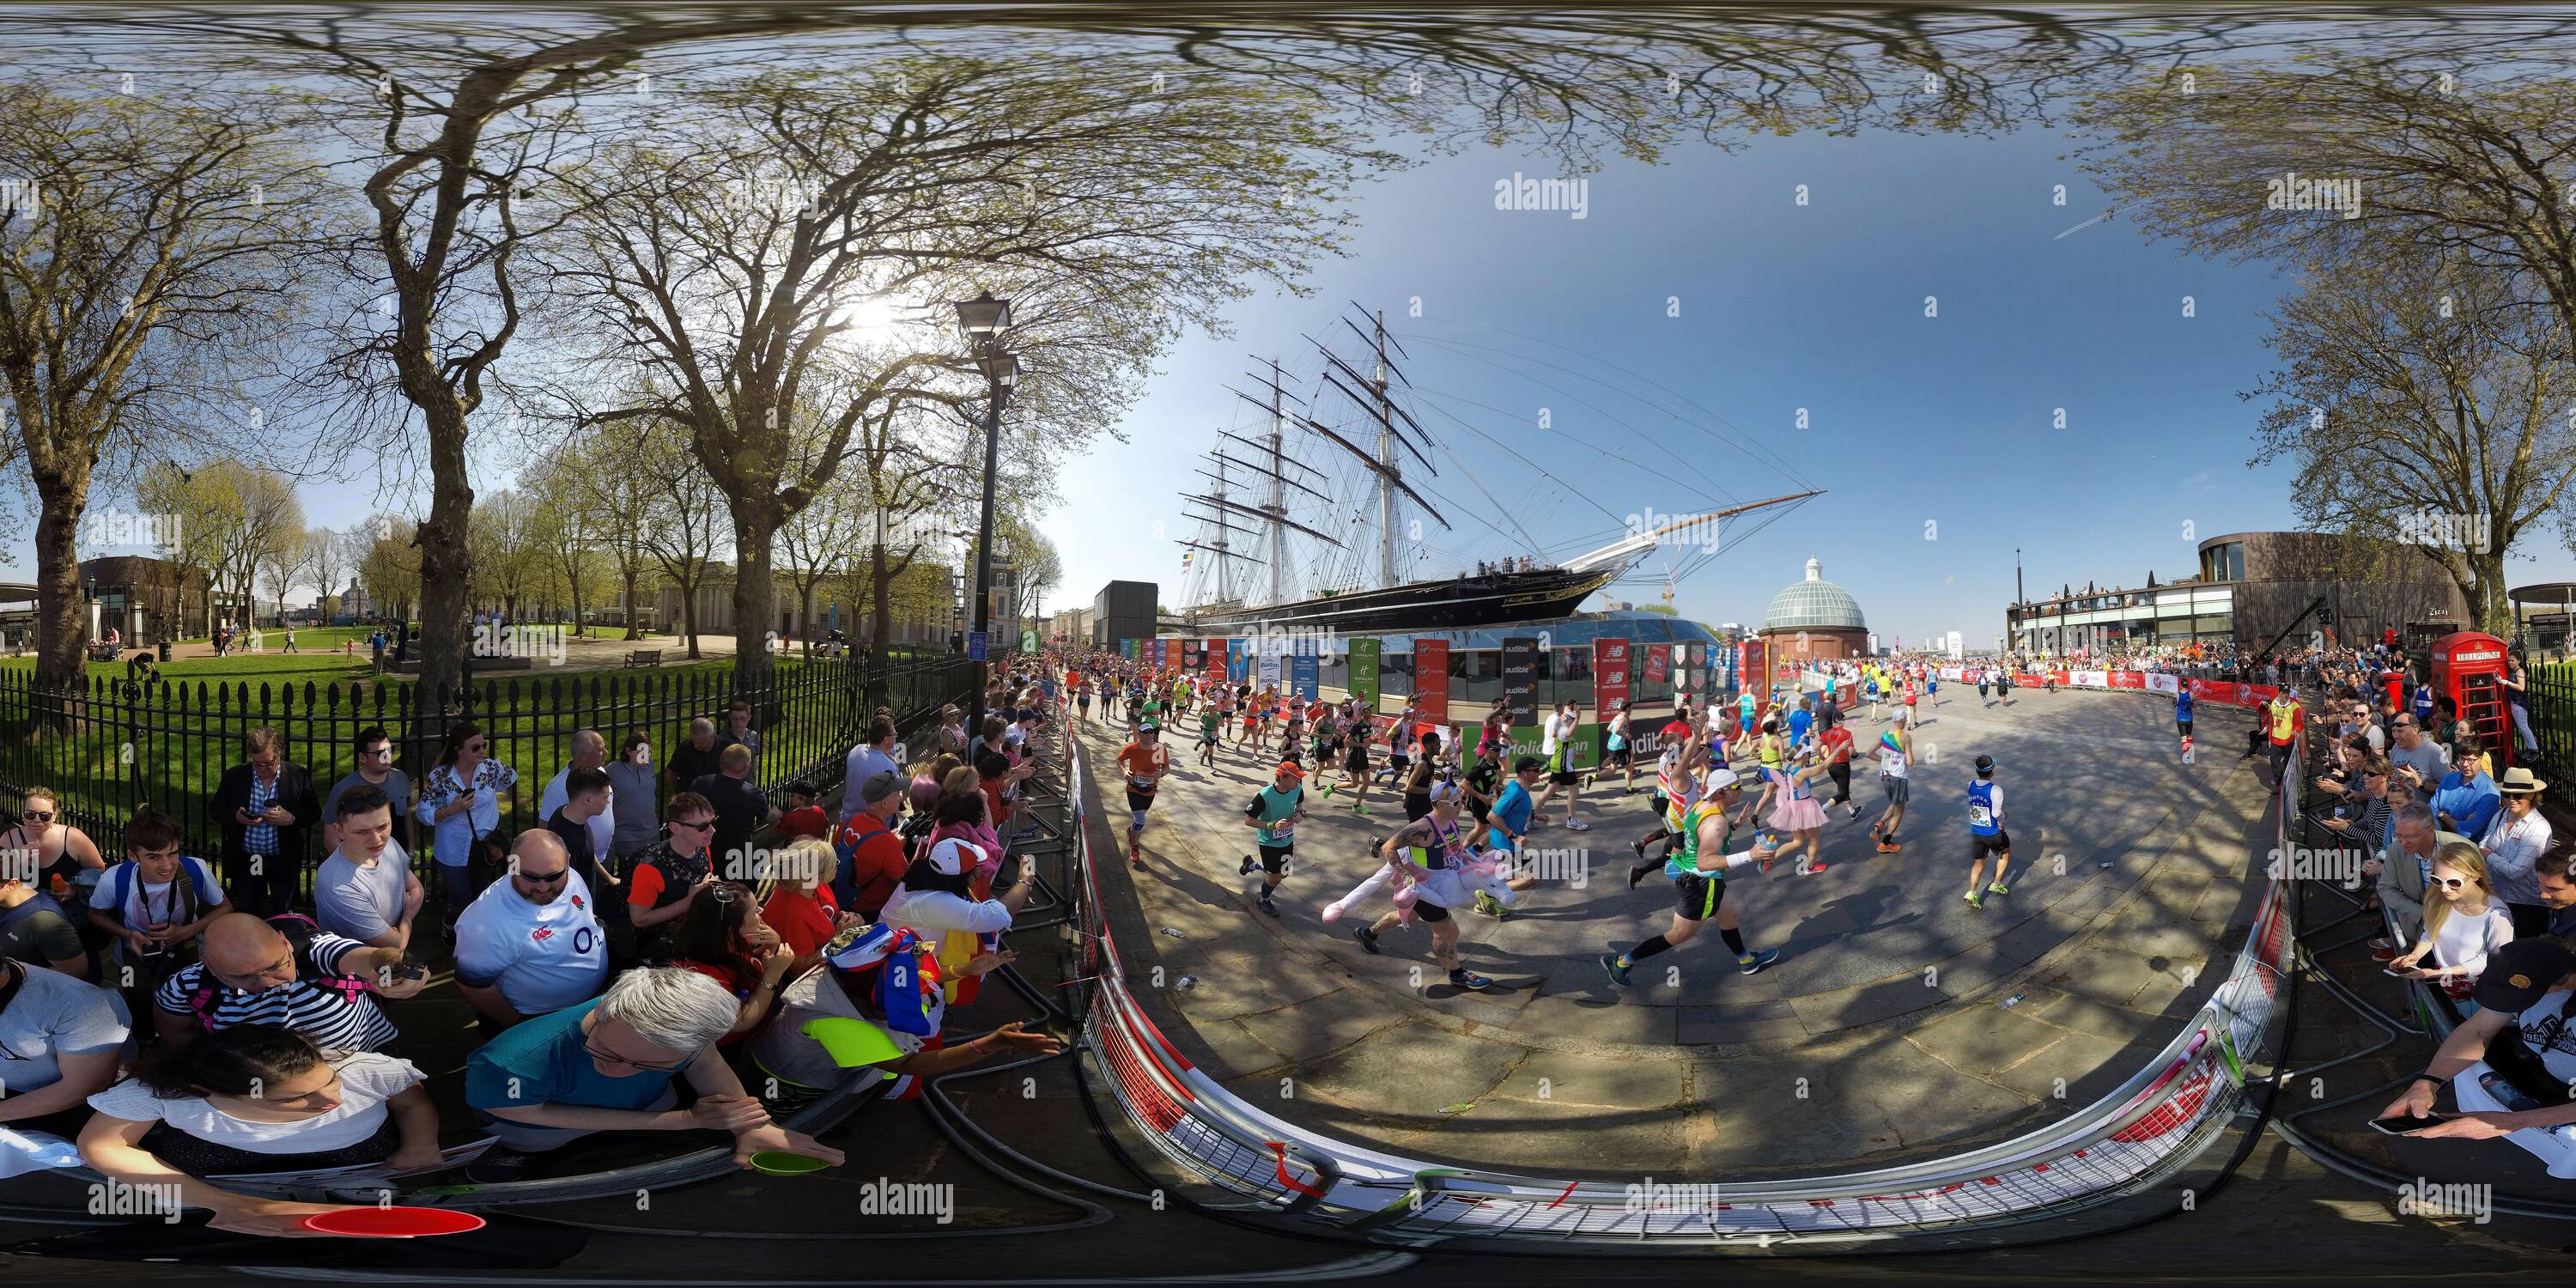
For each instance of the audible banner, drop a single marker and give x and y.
(1609, 677)
(1431, 681)
(1520, 680)
(1363, 678)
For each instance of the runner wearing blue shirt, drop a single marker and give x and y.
(1986, 835)
(2182, 718)
(1800, 722)
(1507, 823)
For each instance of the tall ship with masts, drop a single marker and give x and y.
(1287, 542)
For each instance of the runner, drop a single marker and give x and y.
(1432, 853)
(1982, 697)
(1618, 753)
(2003, 684)
(1251, 727)
(1399, 746)
(1895, 750)
(1837, 743)
(1327, 741)
(1557, 747)
(1292, 742)
(1911, 696)
(1506, 826)
(1082, 698)
(1210, 722)
(1145, 761)
(1698, 870)
(1790, 792)
(1355, 767)
(1418, 779)
(1677, 787)
(2182, 716)
(1986, 834)
(1274, 813)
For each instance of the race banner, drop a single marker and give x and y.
(2219, 692)
(1214, 653)
(1609, 676)
(1266, 651)
(1431, 680)
(1127, 649)
(1190, 658)
(1305, 672)
(1659, 663)
(1520, 680)
(2160, 682)
(2128, 679)
(1238, 661)
(2089, 679)
(1363, 677)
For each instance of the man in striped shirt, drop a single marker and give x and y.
(250, 975)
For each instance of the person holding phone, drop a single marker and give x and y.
(631, 795)
(2527, 985)
(267, 808)
(460, 800)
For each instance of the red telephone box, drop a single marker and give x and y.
(2469, 669)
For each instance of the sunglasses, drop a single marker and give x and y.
(542, 878)
(2450, 883)
(38, 816)
(708, 826)
(612, 1057)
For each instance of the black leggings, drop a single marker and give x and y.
(1841, 773)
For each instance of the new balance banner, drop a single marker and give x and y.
(1431, 680)
(1520, 680)
(1609, 676)
(1305, 671)
(1363, 677)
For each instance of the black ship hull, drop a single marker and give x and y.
(1460, 603)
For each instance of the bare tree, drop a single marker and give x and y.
(146, 263)
(325, 564)
(682, 525)
(390, 568)
(612, 499)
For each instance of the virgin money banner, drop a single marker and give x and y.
(1954, 673)
(2221, 692)
(2089, 679)
(1609, 676)
(2255, 695)
(1659, 663)
(1305, 669)
(1266, 652)
(1363, 677)
(2163, 683)
(2128, 679)
(1431, 681)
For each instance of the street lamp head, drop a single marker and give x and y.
(1003, 370)
(983, 317)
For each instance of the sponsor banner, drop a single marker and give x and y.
(1266, 651)
(1609, 676)
(1238, 661)
(1305, 671)
(2128, 680)
(2159, 682)
(2221, 692)
(1363, 677)
(1213, 653)
(1192, 658)
(1729, 674)
(1431, 680)
(1954, 673)
(1520, 680)
(1659, 663)
(2089, 679)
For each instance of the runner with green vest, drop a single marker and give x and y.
(1698, 867)
(1273, 814)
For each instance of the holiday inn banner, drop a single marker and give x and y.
(1363, 677)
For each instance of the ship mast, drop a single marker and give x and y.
(1278, 495)
(1274, 514)
(1378, 402)
(1388, 474)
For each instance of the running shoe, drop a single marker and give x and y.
(1640, 848)
(2382, 942)
(1577, 825)
(1487, 904)
(1323, 789)
(1367, 938)
(1637, 875)
(1470, 980)
(1244, 869)
(1889, 847)
(1753, 963)
(1267, 906)
(1854, 812)
(1360, 809)
(1998, 888)
(1811, 869)
(1976, 900)
(1618, 973)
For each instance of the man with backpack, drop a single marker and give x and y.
(285, 972)
(156, 904)
(873, 854)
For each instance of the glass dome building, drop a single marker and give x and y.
(1815, 619)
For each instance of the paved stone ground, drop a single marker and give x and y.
(1880, 1036)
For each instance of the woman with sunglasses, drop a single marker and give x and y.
(2463, 922)
(254, 1099)
(723, 938)
(61, 852)
(460, 801)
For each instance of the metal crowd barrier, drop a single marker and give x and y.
(2147, 1130)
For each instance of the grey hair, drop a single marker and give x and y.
(670, 1006)
(701, 725)
(588, 737)
(2415, 812)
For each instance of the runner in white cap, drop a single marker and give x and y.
(1699, 870)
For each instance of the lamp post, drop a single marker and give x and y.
(981, 322)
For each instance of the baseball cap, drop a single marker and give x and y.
(1149, 727)
(1528, 765)
(1445, 794)
(1722, 778)
(2521, 972)
(879, 787)
(1985, 764)
(1290, 768)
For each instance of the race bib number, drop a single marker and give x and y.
(1979, 815)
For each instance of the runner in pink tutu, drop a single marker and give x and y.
(1795, 812)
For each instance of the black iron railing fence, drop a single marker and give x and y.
(111, 746)
(2550, 692)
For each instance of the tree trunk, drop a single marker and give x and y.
(576, 606)
(755, 591)
(64, 495)
(444, 564)
(629, 574)
(689, 611)
(805, 617)
(2489, 610)
(880, 610)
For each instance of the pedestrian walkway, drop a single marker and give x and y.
(1883, 1033)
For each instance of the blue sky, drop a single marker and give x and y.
(1912, 420)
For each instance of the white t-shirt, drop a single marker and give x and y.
(603, 825)
(542, 957)
(147, 904)
(2465, 941)
(367, 1081)
(936, 912)
(52, 1016)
